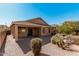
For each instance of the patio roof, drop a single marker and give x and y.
(27, 23)
(31, 22)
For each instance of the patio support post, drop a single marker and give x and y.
(16, 33)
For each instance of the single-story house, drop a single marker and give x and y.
(32, 27)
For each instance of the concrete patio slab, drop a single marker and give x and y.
(12, 48)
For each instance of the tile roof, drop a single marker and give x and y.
(34, 22)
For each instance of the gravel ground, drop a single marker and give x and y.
(53, 50)
(13, 49)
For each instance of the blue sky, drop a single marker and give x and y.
(52, 13)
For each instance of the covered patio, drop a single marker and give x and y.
(31, 28)
(23, 31)
(29, 31)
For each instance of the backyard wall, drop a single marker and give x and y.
(2, 37)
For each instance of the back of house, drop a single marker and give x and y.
(33, 27)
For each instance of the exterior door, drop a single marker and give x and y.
(29, 31)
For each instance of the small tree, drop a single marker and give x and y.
(69, 27)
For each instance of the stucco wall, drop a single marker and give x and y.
(13, 31)
(19, 31)
(2, 37)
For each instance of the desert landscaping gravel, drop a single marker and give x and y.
(53, 50)
(13, 49)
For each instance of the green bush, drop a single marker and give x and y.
(69, 27)
(36, 46)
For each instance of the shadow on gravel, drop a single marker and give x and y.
(24, 43)
(42, 54)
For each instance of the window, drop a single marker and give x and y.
(23, 30)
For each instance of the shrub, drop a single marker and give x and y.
(36, 46)
(73, 33)
(69, 27)
(57, 39)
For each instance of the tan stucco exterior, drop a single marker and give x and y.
(22, 31)
(34, 27)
